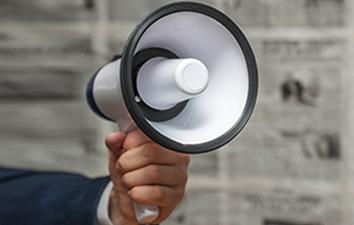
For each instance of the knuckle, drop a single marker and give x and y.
(132, 139)
(148, 152)
(135, 133)
(128, 142)
(121, 165)
(157, 194)
(134, 193)
(153, 171)
(117, 166)
(126, 181)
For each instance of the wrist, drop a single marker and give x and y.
(113, 209)
(117, 214)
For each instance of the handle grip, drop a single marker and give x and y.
(145, 213)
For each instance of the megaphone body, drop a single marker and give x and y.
(187, 78)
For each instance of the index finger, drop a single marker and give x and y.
(148, 154)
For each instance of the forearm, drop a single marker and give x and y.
(46, 198)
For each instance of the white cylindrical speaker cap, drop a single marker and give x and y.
(163, 83)
(192, 76)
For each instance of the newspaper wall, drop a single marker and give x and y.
(290, 166)
(46, 57)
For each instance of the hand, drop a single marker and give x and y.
(144, 172)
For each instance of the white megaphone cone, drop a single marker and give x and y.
(187, 78)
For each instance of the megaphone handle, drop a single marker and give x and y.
(144, 213)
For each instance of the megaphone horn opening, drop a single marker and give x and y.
(197, 31)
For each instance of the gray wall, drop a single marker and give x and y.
(290, 166)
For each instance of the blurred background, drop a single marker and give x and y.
(292, 165)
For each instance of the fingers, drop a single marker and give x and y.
(172, 176)
(149, 153)
(157, 195)
(135, 139)
(114, 142)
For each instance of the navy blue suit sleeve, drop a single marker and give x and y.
(48, 198)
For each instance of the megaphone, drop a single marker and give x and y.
(187, 78)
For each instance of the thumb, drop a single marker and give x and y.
(114, 142)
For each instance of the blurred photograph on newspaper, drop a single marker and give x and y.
(296, 128)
